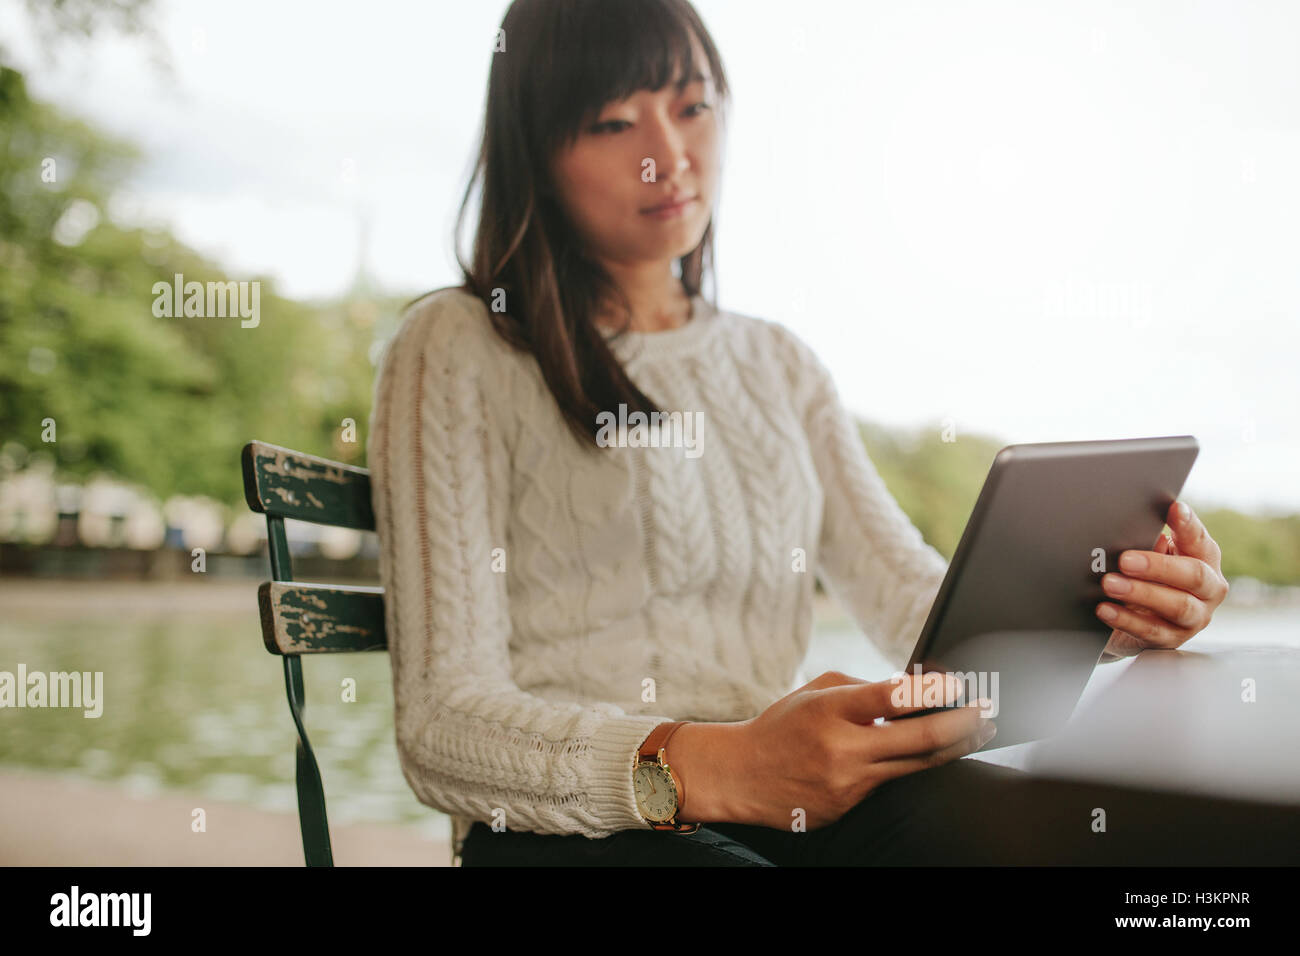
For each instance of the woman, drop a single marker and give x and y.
(562, 594)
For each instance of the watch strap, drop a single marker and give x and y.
(658, 739)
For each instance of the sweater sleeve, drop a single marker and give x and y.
(871, 557)
(471, 743)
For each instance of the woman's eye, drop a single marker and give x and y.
(614, 126)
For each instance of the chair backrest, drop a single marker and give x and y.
(299, 618)
(289, 484)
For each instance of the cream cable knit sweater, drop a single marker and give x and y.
(547, 605)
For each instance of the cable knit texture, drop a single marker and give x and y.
(533, 585)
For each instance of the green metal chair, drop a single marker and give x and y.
(300, 618)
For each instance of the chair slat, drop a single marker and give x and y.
(280, 481)
(321, 618)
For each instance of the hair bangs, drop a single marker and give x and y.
(616, 48)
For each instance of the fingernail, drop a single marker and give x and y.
(1116, 584)
(1130, 561)
(1107, 612)
(1182, 511)
(989, 733)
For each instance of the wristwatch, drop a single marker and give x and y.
(659, 792)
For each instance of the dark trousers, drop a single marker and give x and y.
(966, 812)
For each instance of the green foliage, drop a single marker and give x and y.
(164, 402)
(1256, 546)
(934, 481)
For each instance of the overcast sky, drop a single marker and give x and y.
(1043, 221)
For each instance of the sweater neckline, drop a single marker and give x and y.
(634, 344)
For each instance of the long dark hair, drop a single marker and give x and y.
(563, 61)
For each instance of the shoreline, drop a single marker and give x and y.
(64, 597)
(52, 818)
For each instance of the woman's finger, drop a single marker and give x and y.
(898, 767)
(923, 735)
(1190, 535)
(905, 693)
(1149, 629)
(1181, 608)
(1181, 571)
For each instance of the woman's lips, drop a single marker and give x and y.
(669, 212)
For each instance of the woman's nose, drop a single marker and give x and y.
(668, 150)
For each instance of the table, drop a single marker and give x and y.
(1222, 720)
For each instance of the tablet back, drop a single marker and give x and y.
(1015, 613)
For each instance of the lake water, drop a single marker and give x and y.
(193, 700)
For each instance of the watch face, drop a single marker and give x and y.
(655, 793)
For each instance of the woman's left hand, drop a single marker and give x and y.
(1167, 595)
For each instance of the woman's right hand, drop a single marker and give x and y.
(820, 750)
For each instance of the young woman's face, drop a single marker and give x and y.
(605, 183)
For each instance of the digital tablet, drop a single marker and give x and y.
(1015, 615)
